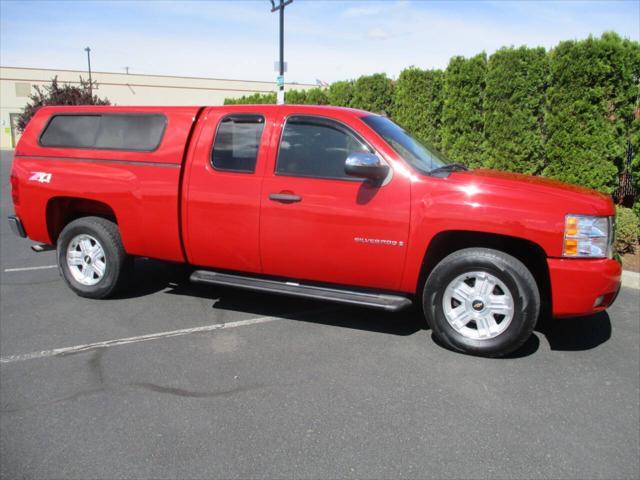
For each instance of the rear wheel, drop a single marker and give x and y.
(481, 301)
(91, 257)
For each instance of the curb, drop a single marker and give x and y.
(630, 279)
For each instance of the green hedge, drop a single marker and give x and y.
(462, 112)
(373, 93)
(583, 118)
(514, 99)
(314, 96)
(256, 98)
(567, 113)
(341, 93)
(418, 104)
(627, 231)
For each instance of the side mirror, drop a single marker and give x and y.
(366, 165)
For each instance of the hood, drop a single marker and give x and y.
(576, 199)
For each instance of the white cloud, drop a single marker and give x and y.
(377, 33)
(357, 12)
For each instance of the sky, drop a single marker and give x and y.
(325, 40)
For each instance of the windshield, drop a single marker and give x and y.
(422, 158)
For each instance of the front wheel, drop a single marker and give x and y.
(481, 301)
(91, 257)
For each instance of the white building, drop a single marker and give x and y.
(16, 84)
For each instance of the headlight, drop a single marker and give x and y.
(586, 236)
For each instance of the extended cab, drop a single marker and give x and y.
(313, 201)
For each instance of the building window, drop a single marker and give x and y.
(23, 89)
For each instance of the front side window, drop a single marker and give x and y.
(237, 141)
(136, 132)
(316, 147)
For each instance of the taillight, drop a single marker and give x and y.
(15, 189)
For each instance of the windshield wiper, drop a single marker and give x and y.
(450, 167)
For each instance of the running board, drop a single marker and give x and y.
(390, 303)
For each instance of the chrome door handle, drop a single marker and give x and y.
(284, 197)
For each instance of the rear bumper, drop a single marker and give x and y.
(16, 226)
(583, 287)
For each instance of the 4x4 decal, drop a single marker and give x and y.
(42, 177)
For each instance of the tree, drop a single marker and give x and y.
(295, 97)
(341, 93)
(57, 94)
(635, 161)
(418, 103)
(584, 116)
(254, 99)
(462, 111)
(373, 93)
(513, 109)
(317, 96)
(628, 105)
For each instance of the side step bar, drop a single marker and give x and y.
(42, 247)
(390, 303)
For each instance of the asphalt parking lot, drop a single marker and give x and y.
(272, 387)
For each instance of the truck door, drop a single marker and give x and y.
(319, 224)
(221, 193)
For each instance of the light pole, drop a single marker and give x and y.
(280, 8)
(88, 50)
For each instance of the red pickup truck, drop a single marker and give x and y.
(314, 201)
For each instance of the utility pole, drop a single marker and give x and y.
(88, 50)
(280, 8)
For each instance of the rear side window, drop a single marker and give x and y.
(237, 141)
(137, 132)
(71, 131)
(316, 147)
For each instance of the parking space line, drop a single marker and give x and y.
(24, 269)
(142, 338)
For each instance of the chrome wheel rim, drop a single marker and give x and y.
(478, 305)
(86, 259)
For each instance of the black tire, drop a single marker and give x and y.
(511, 272)
(118, 264)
